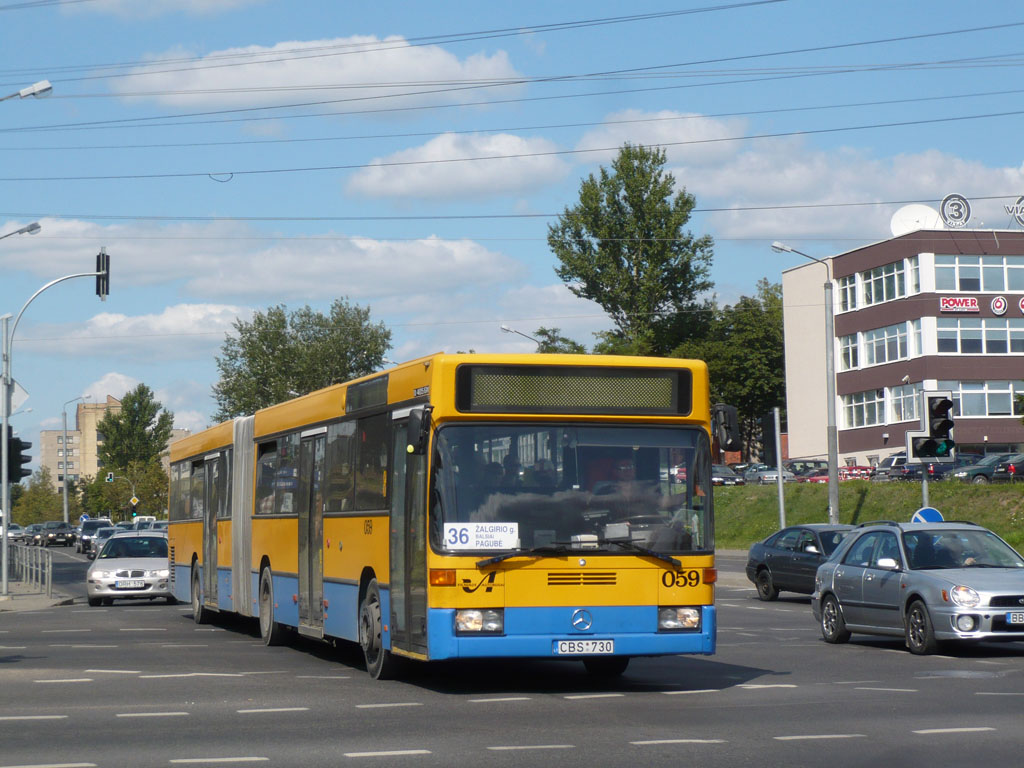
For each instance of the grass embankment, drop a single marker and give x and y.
(746, 514)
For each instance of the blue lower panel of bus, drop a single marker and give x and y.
(183, 586)
(535, 632)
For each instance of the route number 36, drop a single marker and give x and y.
(681, 578)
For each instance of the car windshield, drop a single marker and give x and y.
(938, 548)
(830, 540)
(505, 487)
(719, 469)
(991, 459)
(134, 546)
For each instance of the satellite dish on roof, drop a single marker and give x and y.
(913, 217)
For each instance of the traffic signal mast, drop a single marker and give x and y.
(16, 457)
(934, 442)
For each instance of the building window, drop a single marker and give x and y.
(60, 451)
(864, 409)
(883, 345)
(848, 293)
(60, 439)
(914, 270)
(903, 402)
(883, 284)
(985, 398)
(60, 465)
(976, 336)
(979, 273)
(849, 352)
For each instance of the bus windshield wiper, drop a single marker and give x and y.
(631, 547)
(559, 549)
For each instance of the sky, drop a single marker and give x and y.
(233, 155)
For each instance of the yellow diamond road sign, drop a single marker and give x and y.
(134, 501)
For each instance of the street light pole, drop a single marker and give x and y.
(832, 433)
(64, 410)
(42, 88)
(506, 329)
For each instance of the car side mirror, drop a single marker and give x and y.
(811, 549)
(888, 563)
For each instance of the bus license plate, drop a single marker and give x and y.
(584, 647)
(1015, 617)
(122, 584)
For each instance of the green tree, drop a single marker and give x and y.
(552, 340)
(745, 357)
(624, 247)
(140, 431)
(38, 502)
(147, 480)
(278, 355)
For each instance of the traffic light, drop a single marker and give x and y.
(135, 509)
(768, 439)
(16, 457)
(102, 274)
(937, 442)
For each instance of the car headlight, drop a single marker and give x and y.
(678, 618)
(480, 620)
(101, 574)
(161, 574)
(964, 596)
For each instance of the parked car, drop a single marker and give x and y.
(981, 471)
(132, 565)
(762, 474)
(805, 467)
(788, 559)
(1010, 469)
(57, 532)
(722, 475)
(160, 525)
(887, 465)
(89, 528)
(926, 582)
(99, 538)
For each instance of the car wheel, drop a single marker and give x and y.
(94, 601)
(979, 480)
(920, 634)
(379, 662)
(833, 626)
(200, 613)
(765, 586)
(271, 631)
(606, 666)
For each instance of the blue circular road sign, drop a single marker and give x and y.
(927, 515)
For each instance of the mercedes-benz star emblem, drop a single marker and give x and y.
(582, 620)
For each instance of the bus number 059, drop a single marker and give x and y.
(681, 578)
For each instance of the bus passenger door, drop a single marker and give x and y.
(210, 468)
(311, 534)
(408, 545)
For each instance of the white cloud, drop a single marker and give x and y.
(358, 71)
(113, 384)
(433, 178)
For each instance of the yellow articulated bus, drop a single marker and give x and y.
(463, 506)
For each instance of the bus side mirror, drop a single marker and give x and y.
(419, 430)
(727, 426)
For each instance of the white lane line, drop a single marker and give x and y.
(700, 690)
(67, 680)
(183, 760)
(532, 746)
(63, 631)
(813, 737)
(385, 706)
(929, 731)
(79, 645)
(52, 765)
(496, 700)
(389, 753)
(678, 741)
(34, 717)
(114, 671)
(191, 674)
(997, 693)
(595, 696)
(887, 690)
(323, 677)
(142, 629)
(757, 686)
(13, 647)
(271, 709)
(854, 682)
(184, 645)
(153, 714)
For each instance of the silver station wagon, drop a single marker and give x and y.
(927, 582)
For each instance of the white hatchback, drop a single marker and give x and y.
(131, 566)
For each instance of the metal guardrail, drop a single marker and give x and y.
(33, 566)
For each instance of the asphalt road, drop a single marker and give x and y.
(142, 685)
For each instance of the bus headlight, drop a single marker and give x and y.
(674, 619)
(480, 621)
(964, 596)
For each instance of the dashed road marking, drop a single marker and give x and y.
(887, 690)
(678, 741)
(498, 700)
(67, 680)
(930, 731)
(152, 714)
(34, 717)
(514, 748)
(185, 760)
(812, 737)
(385, 706)
(271, 709)
(595, 696)
(389, 753)
(114, 671)
(701, 690)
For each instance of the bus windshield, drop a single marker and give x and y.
(506, 487)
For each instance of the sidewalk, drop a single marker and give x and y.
(25, 597)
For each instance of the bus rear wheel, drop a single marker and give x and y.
(271, 631)
(606, 666)
(379, 662)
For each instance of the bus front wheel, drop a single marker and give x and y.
(200, 614)
(271, 631)
(379, 662)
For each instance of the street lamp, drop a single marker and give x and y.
(506, 329)
(65, 483)
(28, 229)
(830, 384)
(42, 88)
